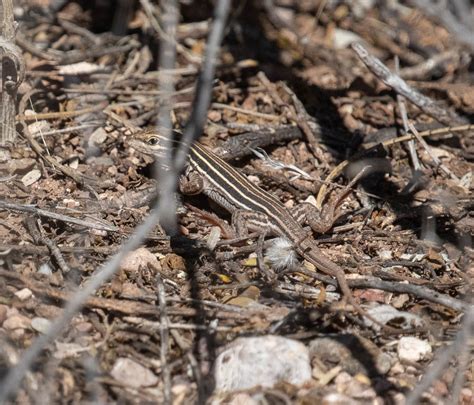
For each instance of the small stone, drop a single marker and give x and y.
(98, 137)
(413, 349)
(83, 327)
(24, 294)
(138, 260)
(250, 362)
(17, 322)
(31, 177)
(337, 399)
(40, 325)
(132, 374)
(45, 269)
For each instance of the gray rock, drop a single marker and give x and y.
(261, 361)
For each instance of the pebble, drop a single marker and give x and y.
(40, 325)
(24, 294)
(133, 374)
(17, 322)
(261, 361)
(138, 260)
(413, 349)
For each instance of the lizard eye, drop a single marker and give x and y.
(152, 141)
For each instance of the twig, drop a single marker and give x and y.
(427, 148)
(404, 114)
(438, 366)
(164, 341)
(416, 290)
(53, 248)
(12, 68)
(59, 217)
(167, 179)
(401, 87)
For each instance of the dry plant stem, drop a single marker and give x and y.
(12, 69)
(438, 366)
(59, 217)
(61, 115)
(167, 59)
(164, 341)
(424, 134)
(401, 87)
(437, 162)
(14, 377)
(124, 306)
(192, 360)
(403, 113)
(53, 248)
(422, 70)
(165, 37)
(415, 290)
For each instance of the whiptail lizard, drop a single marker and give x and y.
(251, 207)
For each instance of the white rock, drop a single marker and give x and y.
(31, 177)
(261, 361)
(40, 325)
(45, 269)
(387, 313)
(24, 294)
(133, 374)
(138, 260)
(413, 349)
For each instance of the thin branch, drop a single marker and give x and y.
(438, 366)
(401, 87)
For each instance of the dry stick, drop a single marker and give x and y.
(167, 58)
(166, 180)
(401, 87)
(438, 366)
(53, 248)
(13, 379)
(404, 114)
(164, 340)
(59, 217)
(436, 160)
(424, 134)
(165, 38)
(12, 68)
(60, 114)
(373, 282)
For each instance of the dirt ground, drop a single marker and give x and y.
(289, 81)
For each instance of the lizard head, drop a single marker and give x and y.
(148, 142)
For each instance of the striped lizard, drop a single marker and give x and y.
(251, 207)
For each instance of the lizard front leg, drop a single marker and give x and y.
(244, 221)
(321, 221)
(191, 183)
